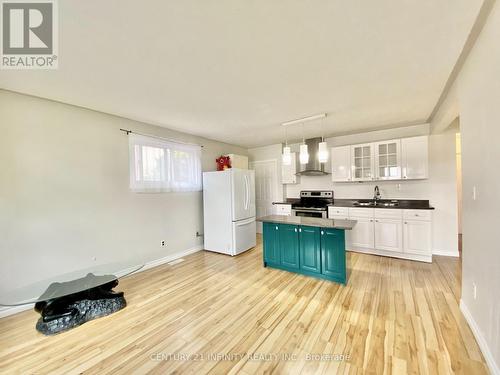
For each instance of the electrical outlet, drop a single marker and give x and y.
(162, 244)
(474, 290)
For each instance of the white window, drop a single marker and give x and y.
(158, 165)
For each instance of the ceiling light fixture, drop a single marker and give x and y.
(304, 152)
(287, 156)
(323, 148)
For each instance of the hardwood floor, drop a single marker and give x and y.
(394, 316)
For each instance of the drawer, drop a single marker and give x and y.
(361, 212)
(388, 213)
(283, 209)
(338, 211)
(425, 215)
(339, 217)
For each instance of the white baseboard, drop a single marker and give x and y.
(169, 258)
(444, 253)
(391, 254)
(7, 311)
(483, 345)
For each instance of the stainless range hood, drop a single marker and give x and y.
(314, 167)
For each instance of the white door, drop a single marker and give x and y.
(362, 235)
(388, 160)
(389, 235)
(341, 163)
(266, 188)
(243, 193)
(418, 237)
(362, 162)
(415, 157)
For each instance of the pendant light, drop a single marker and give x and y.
(304, 152)
(323, 152)
(287, 156)
(323, 149)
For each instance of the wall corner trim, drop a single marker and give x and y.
(483, 345)
(7, 311)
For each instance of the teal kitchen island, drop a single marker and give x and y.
(309, 246)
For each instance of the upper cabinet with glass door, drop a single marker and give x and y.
(362, 162)
(388, 160)
(397, 159)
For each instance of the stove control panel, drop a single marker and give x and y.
(316, 194)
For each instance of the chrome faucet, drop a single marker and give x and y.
(376, 194)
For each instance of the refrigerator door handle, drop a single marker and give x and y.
(244, 222)
(247, 192)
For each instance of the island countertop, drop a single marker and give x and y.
(309, 221)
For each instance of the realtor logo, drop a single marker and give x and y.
(29, 34)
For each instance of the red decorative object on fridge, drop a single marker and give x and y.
(223, 162)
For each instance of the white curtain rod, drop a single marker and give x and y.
(163, 138)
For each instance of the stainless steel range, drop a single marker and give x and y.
(313, 203)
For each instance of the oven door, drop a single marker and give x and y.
(310, 213)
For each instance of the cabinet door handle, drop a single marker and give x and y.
(406, 222)
(276, 227)
(371, 221)
(376, 221)
(295, 229)
(300, 230)
(322, 233)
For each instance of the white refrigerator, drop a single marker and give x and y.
(229, 210)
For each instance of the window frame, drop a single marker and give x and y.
(169, 163)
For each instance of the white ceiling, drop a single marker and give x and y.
(233, 70)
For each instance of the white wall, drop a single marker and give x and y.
(440, 188)
(478, 90)
(64, 195)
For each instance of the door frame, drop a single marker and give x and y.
(275, 190)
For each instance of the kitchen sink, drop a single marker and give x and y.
(372, 203)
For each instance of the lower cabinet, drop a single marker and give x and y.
(417, 237)
(388, 235)
(405, 234)
(363, 234)
(289, 245)
(308, 250)
(271, 243)
(333, 262)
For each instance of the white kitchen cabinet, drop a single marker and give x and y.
(362, 235)
(283, 209)
(288, 172)
(397, 233)
(388, 160)
(362, 163)
(341, 163)
(417, 232)
(341, 213)
(417, 237)
(415, 158)
(389, 235)
(397, 159)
